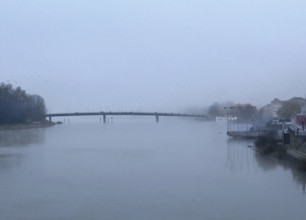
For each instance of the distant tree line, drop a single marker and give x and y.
(288, 110)
(16, 106)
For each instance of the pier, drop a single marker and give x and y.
(247, 134)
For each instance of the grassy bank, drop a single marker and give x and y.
(26, 126)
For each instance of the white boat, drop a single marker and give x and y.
(225, 118)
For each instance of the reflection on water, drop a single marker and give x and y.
(239, 154)
(8, 161)
(268, 162)
(242, 154)
(174, 170)
(22, 137)
(10, 140)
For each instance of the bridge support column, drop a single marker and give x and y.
(50, 118)
(104, 118)
(157, 118)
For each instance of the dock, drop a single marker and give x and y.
(247, 134)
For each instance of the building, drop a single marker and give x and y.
(300, 118)
(270, 110)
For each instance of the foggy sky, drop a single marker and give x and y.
(163, 55)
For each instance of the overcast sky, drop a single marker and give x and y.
(163, 55)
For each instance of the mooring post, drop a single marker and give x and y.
(104, 118)
(157, 118)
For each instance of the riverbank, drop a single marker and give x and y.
(279, 150)
(26, 126)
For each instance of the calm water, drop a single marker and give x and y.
(137, 169)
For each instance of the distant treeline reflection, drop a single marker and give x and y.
(14, 138)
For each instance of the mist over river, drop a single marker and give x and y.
(134, 168)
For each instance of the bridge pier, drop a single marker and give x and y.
(157, 118)
(104, 118)
(50, 118)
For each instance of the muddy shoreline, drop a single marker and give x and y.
(26, 126)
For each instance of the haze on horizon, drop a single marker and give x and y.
(153, 55)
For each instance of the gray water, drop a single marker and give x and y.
(139, 169)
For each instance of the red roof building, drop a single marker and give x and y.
(300, 118)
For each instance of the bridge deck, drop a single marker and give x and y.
(104, 114)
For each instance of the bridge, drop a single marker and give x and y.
(105, 114)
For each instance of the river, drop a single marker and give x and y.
(134, 168)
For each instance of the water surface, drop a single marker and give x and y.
(139, 169)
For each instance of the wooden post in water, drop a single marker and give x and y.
(104, 118)
(157, 118)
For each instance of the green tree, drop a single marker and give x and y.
(246, 112)
(36, 108)
(215, 110)
(288, 110)
(16, 106)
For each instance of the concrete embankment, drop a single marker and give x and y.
(293, 151)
